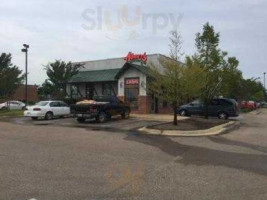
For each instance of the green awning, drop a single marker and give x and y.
(106, 74)
(95, 76)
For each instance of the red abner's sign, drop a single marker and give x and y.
(131, 56)
(132, 81)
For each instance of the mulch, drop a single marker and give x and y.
(190, 124)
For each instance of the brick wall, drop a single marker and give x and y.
(32, 93)
(20, 94)
(167, 109)
(121, 98)
(144, 106)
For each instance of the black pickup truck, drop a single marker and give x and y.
(102, 108)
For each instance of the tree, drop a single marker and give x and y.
(173, 82)
(165, 84)
(59, 74)
(252, 90)
(46, 90)
(175, 45)
(231, 79)
(194, 75)
(210, 58)
(10, 76)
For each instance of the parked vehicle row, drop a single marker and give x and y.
(249, 105)
(100, 108)
(103, 108)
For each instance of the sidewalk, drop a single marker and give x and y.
(157, 117)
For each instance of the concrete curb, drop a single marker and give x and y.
(208, 132)
(157, 117)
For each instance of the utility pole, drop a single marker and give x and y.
(25, 50)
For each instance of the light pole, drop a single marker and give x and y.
(264, 82)
(255, 79)
(25, 50)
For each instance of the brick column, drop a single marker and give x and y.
(121, 98)
(144, 104)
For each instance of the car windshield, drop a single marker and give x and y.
(196, 102)
(41, 103)
(233, 101)
(102, 99)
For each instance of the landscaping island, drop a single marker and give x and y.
(190, 124)
(191, 127)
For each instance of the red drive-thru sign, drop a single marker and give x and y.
(132, 81)
(131, 56)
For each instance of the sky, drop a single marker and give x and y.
(98, 29)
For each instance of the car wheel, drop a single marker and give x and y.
(101, 117)
(49, 116)
(34, 118)
(23, 108)
(126, 114)
(81, 119)
(222, 115)
(4, 108)
(183, 113)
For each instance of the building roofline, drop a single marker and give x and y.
(106, 59)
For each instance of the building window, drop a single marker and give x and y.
(89, 91)
(74, 91)
(107, 89)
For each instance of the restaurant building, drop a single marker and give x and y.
(125, 77)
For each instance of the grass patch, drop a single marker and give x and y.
(11, 113)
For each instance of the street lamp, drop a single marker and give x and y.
(264, 80)
(25, 50)
(255, 79)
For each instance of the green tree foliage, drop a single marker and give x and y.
(59, 74)
(252, 90)
(173, 81)
(208, 57)
(194, 74)
(46, 90)
(10, 76)
(231, 79)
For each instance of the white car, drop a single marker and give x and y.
(47, 110)
(12, 105)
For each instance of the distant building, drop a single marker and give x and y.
(31, 96)
(19, 94)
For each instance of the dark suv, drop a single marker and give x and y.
(221, 108)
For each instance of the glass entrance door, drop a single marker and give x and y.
(89, 90)
(131, 92)
(131, 97)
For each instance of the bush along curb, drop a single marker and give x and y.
(207, 132)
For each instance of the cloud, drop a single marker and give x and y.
(54, 30)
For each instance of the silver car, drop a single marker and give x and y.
(12, 105)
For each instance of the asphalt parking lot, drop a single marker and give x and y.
(114, 124)
(52, 162)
